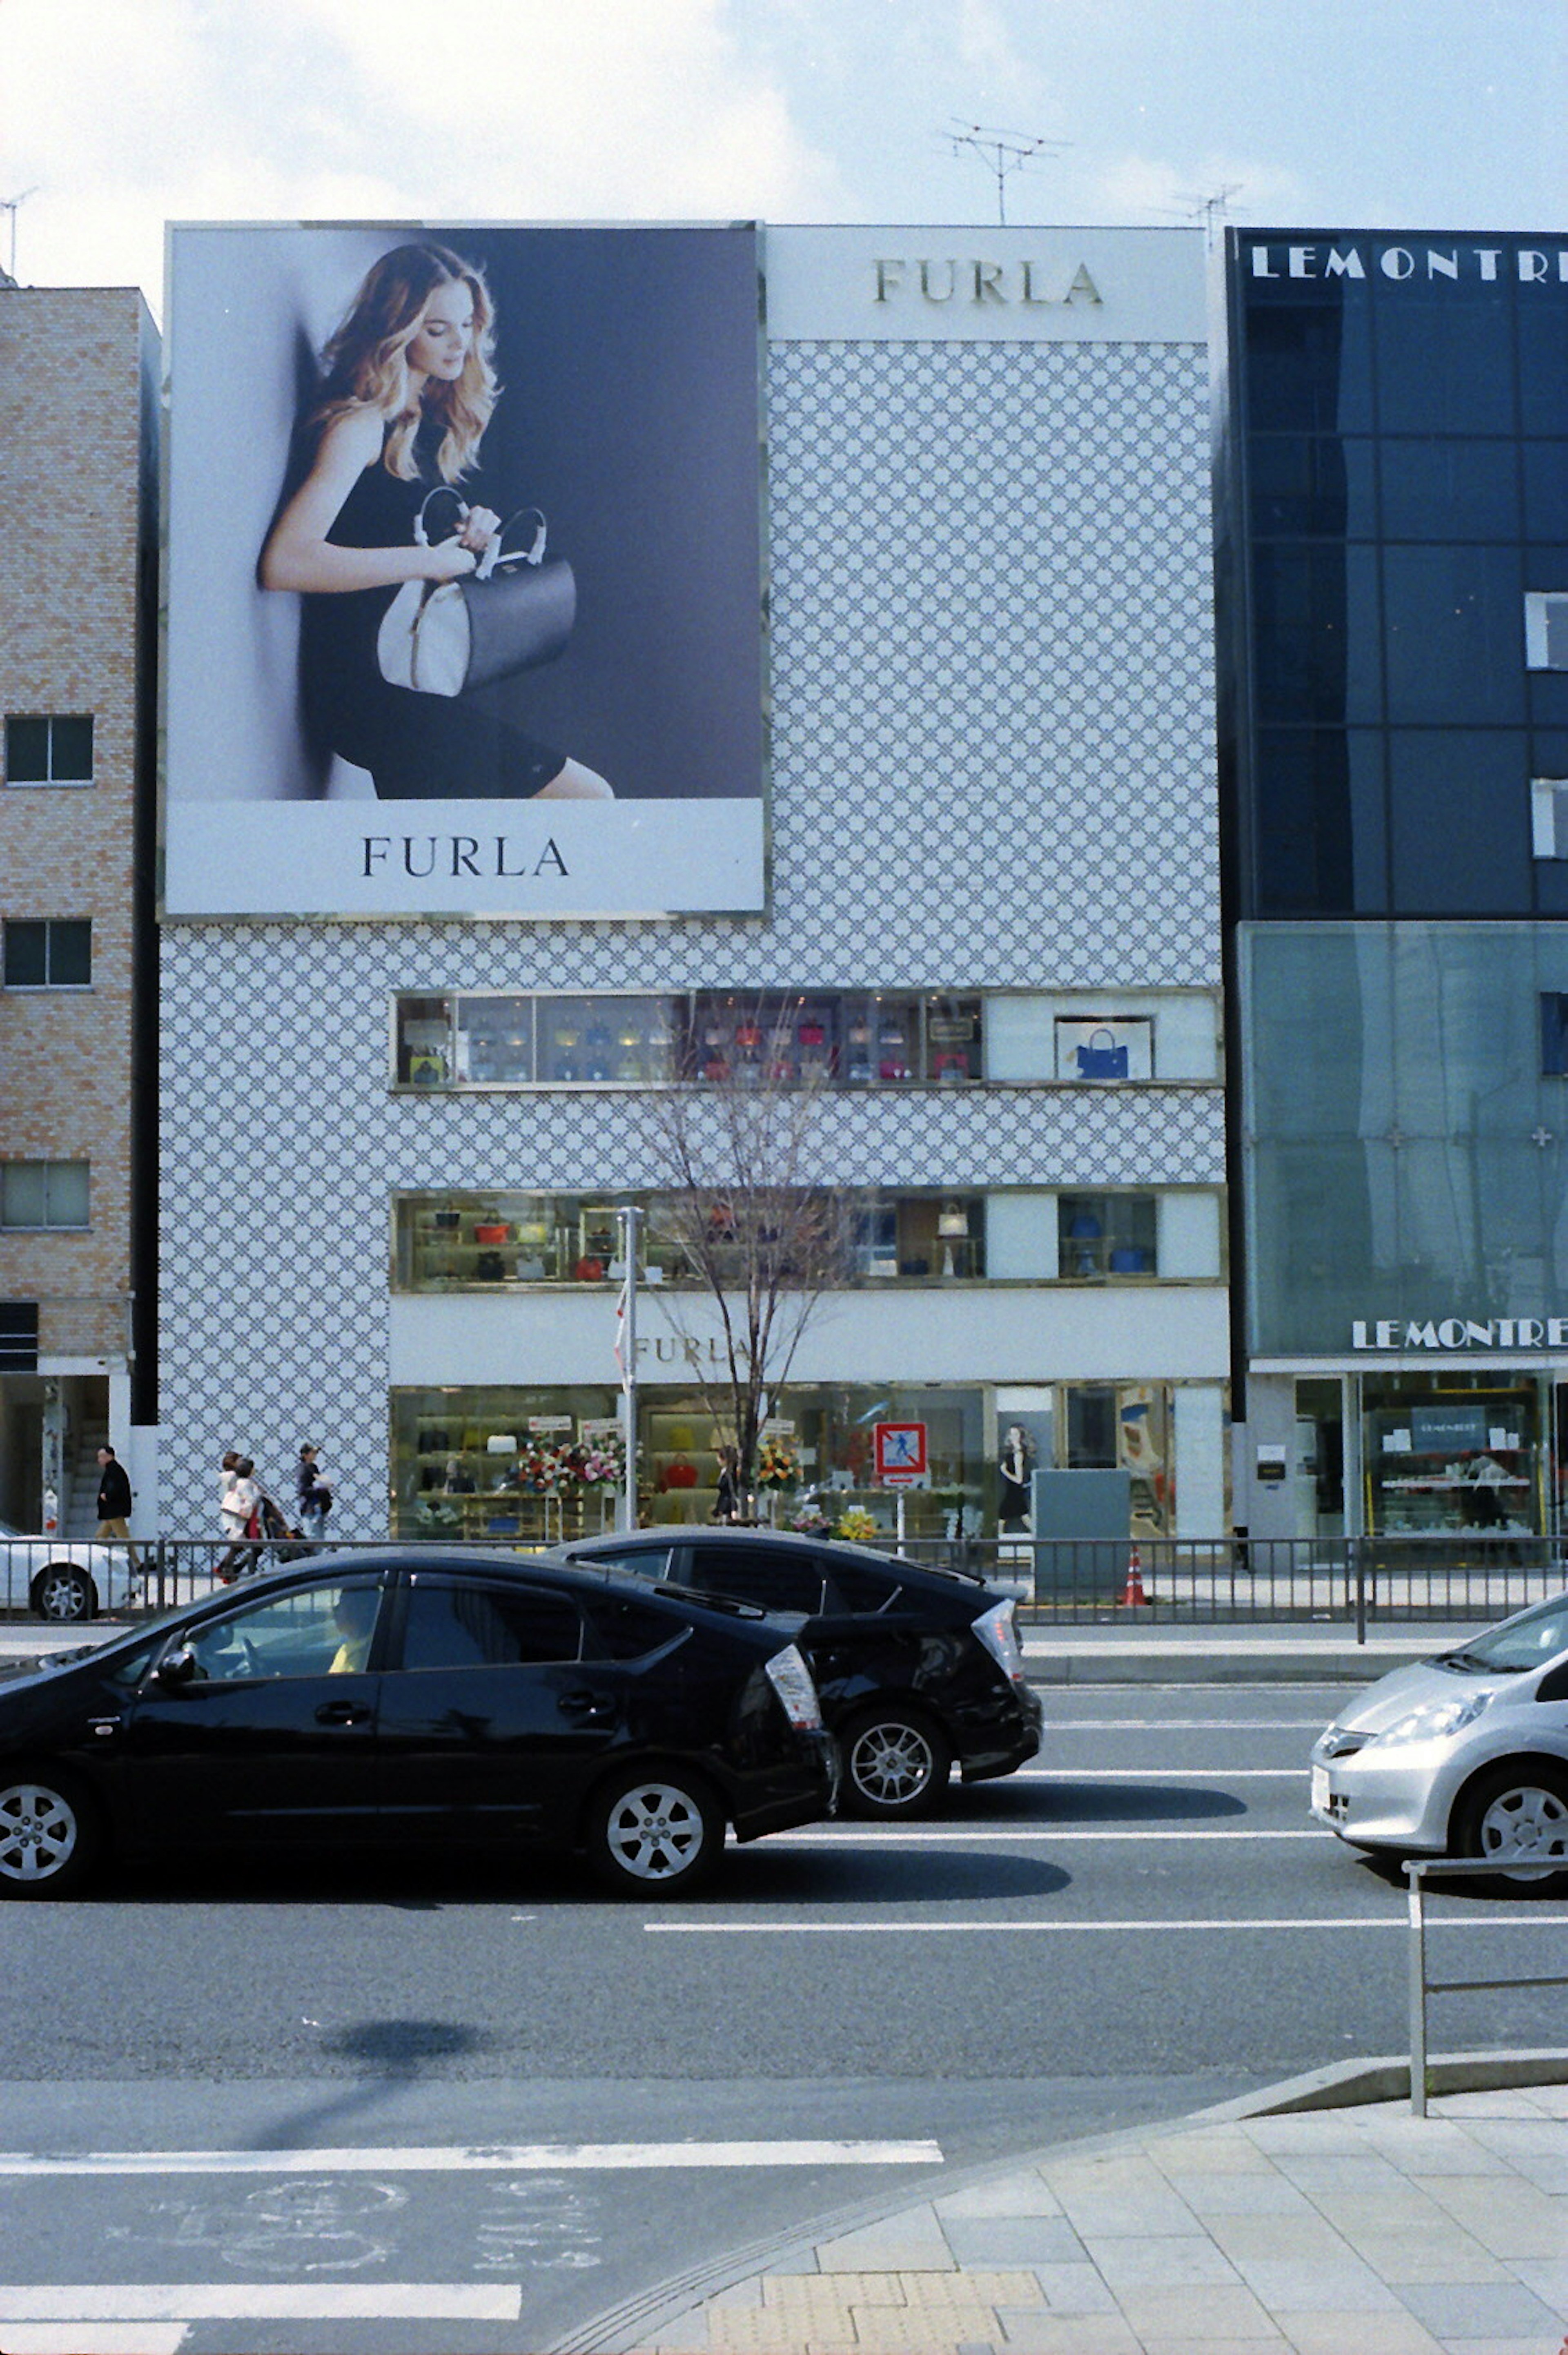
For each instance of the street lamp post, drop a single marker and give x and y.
(630, 1218)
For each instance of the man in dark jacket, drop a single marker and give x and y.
(115, 1502)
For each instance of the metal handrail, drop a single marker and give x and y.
(1421, 1986)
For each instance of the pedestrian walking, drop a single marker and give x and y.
(115, 1502)
(313, 1494)
(241, 1509)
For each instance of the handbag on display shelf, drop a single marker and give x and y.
(1102, 1062)
(514, 611)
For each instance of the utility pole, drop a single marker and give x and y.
(1001, 152)
(13, 204)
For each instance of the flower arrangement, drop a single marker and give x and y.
(544, 1471)
(778, 1466)
(600, 1463)
(856, 1526)
(808, 1519)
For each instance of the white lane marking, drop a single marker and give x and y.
(997, 1928)
(1066, 1774)
(1054, 1725)
(1005, 1836)
(317, 2301)
(513, 2158)
(76, 2337)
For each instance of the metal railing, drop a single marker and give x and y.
(1421, 1986)
(1354, 1582)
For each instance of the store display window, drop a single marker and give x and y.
(537, 1466)
(471, 1040)
(1100, 1047)
(1452, 1457)
(1101, 1236)
(463, 1242)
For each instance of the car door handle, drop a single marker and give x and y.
(344, 1712)
(585, 1705)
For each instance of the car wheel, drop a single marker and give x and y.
(1517, 1814)
(660, 1833)
(63, 1591)
(895, 1764)
(49, 1835)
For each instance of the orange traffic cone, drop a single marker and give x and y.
(1134, 1593)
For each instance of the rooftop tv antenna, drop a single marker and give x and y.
(1001, 152)
(1212, 210)
(13, 204)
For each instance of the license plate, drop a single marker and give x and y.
(1321, 1790)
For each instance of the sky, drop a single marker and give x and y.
(118, 115)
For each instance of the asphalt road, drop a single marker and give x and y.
(1143, 1922)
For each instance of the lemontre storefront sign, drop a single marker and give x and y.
(1438, 1334)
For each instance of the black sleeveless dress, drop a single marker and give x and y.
(416, 747)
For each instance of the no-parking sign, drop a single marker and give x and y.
(901, 1453)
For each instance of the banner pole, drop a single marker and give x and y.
(630, 1219)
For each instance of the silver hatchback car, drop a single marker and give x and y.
(1463, 1755)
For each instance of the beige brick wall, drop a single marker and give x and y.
(71, 478)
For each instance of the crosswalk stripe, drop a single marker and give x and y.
(511, 2158)
(316, 2301)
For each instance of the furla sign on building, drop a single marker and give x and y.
(973, 285)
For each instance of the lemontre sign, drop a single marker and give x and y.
(1461, 1333)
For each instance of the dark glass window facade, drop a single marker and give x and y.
(1405, 1120)
(1398, 457)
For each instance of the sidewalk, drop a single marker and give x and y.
(1112, 1653)
(1326, 2232)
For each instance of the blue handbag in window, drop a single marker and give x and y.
(1102, 1062)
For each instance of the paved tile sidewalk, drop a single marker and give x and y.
(1348, 2232)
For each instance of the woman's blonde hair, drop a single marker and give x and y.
(366, 364)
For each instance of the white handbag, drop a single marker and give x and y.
(514, 611)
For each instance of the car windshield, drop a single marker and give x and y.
(1523, 1643)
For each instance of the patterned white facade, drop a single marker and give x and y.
(992, 770)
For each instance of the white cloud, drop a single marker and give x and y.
(323, 109)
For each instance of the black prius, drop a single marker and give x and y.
(411, 1695)
(917, 1669)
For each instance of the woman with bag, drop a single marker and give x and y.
(241, 1510)
(408, 393)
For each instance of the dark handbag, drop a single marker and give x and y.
(491, 1268)
(514, 611)
(1096, 1062)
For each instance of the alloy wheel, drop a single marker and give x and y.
(39, 1834)
(656, 1832)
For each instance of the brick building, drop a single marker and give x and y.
(78, 603)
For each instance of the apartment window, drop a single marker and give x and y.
(43, 1194)
(48, 954)
(1102, 1235)
(1554, 1034)
(1549, 818)
(49, 748)
(1546, 629)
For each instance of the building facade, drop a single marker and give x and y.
(79, 437)
(1393, 557)
(393, 1146)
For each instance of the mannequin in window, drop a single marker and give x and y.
(1014, 1499)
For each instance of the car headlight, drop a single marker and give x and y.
(1434, 1721)
(792, 1681)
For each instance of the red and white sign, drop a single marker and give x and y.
(901, 1453)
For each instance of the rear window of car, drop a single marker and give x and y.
(627, 1630)
(463, 1627)
(863, 1589)
(775, 1579)
(649, 1561)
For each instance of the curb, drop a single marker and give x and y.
(637, 2320)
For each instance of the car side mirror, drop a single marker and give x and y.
(177, 1669)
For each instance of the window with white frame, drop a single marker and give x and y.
(49, 748)
(48, 954)
(43, 1194)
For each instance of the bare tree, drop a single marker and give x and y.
(747, 1209)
